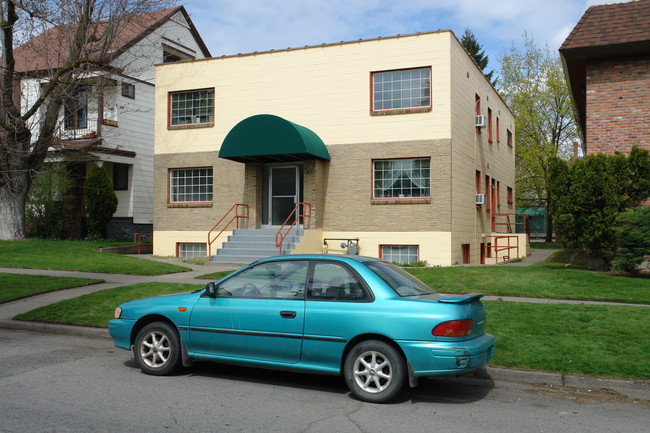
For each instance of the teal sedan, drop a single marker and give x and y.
(360, 317)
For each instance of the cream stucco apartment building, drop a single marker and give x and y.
(378, 138)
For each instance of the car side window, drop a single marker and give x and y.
(284, 280)
(334, 282)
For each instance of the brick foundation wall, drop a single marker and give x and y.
(618, 105)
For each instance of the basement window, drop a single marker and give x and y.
(191, 250)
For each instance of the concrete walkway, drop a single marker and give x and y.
(536, 256)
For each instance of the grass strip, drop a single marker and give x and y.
(77, 256)
(215, 276)
(96, 309)
(591, 340)
(18, 286)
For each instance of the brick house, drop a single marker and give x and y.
(375, 140)
(607, 63)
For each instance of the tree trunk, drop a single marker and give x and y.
(549, 225)
(12, 210)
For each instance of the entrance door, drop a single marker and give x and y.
(283, 193)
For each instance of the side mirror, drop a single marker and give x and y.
(211, 290)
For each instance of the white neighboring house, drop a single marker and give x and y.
(110, 119)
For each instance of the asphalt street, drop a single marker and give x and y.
(59, 383)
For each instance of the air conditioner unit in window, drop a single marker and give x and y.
(480, 198)
(480, 121)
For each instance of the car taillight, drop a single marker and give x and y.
(453, 328)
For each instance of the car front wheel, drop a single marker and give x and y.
(374, 371)
(157, 349)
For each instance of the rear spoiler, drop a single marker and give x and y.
(463, 299)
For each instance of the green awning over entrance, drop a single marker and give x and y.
(268, 138)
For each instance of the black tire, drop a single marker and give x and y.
(157, 349)
(374, 371)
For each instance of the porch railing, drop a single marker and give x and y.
(510, 223)
(79, 129)
(504, 250)
(235, 215)
(299, 213)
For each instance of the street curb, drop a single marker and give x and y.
(634, 388)
(53, 328)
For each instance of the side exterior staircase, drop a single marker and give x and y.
(249, 245)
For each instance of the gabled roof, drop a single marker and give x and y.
(50, 49)
(606, 25)
(604, 31)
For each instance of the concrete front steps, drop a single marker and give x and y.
(249, 245)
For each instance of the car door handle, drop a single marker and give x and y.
(288, 314)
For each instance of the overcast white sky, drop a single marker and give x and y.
(243, 26)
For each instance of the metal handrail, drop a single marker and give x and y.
(137, 240)
(496, 248)
(235, 218)
(509, 224)
(279, 236)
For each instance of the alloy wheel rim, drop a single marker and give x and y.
(155, 349)
(373, 373)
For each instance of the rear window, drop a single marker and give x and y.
(399, 280)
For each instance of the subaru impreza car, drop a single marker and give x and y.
(360, 317)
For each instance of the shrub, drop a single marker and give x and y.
(633, 236)
(46, 213)
(588, 194)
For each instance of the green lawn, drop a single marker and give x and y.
(77, 256)
(537, 281)
(536, 245)
(18, 286)
(592, 340)
(96, 309)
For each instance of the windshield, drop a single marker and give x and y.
(399, 280)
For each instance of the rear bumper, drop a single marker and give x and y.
(438, 358)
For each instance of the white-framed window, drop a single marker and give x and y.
(402, 254)
(194, 107)
(190, 250)
(190, 185)
(402, 178)
(401, 89)
(128, 90)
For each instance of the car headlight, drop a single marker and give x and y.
(118, 312)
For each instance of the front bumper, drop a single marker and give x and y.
(439, 358)
(120, 330)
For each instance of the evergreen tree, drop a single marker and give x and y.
(477, 52)
(100, 201)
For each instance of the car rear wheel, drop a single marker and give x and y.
(157, 349)
(374, 371)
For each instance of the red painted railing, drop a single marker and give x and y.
(497, 247)
(236, 217)
(299, 213)
(511, 224)
(138, 242)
